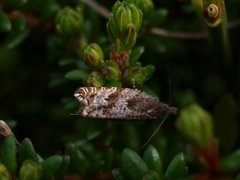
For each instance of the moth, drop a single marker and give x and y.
(119, 103)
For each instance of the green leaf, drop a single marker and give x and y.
(118, 174)
(16, 38)
(226, 116)
(93, 134)
(237, 177)
(78, 161)
(19, 23)
(67, 61)
(77, 74)
(40, 159)
(148, 71)
(109, 158)
(30, 170)
(136, 54)
(177, 168)
(231, 163)
(8, 154)
(62, 170)
(50, 166)
(152, 159)
(26, 151)
(5, 24)
(4, 175)
(133, 164)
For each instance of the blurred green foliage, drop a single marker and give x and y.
(50, 48)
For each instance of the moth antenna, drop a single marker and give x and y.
(156, 130)
(166, 115)
(74, 114)
(169, 86)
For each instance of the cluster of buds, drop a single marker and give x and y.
(124, 23)
(105, 71)
(196, 124)
(69, 22)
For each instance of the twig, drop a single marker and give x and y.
(177, 34)
(160, 31)
(234, 24)
(97, 7)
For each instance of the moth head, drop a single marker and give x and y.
(82, 95)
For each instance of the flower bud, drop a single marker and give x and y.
(148, 71)
(93, 55)
(123, 14)
(4, 173)
(4, 129)
(145, 5)
(111, 71)
(30, 170)
(196, 124)
(69, 22)
(95, 79)
(130, 37)
(136, 75)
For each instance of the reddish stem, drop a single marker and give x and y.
(209, 158)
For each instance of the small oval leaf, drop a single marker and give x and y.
(152, 159)
(16, 38)
(133, 164)
(136, 54)
(118, 174)
(8, 154)
(231, 163)
(77, 74)
(26, 151)
(177, 168)
(5, 24)
(50, 166)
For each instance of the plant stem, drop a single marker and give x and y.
(216, 21)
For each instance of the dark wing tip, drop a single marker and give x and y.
(173, 110)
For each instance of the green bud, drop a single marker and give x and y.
(4, 173)
(136, 75)
(130, 37)
(93, 55)
(148, 71)
(30, 170)
(111, 71)
(145, 5)
(123, 14)
(4, 129)
(196, 124)
(95, 79)
(112, 28)
(69, 22)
